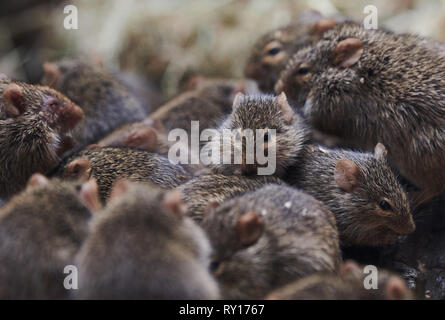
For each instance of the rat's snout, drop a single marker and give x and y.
(405, 227)
(62, 113)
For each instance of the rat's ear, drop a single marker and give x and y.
(349, 267)
(249, 228)
(380, 151)
(396, 289)
(347, 174)
(210, 206)
(78, 169)
(13, 100)
(119, 188)
(144, 138)
(174, 203)
(52, 73)
(89, 193)
(347, 52)
(195, 82)
(37, 179)
(286, 109)
(321, 26)
(238, 100)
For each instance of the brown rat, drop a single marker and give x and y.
(203, 192)
(107, 104)
(272, 51)
(265, 239)
(142, 247)
(367, 200)
(35, 126)
(108, 165)
(41, 230)
(260, 114)
(369, 86)
(208, 101)
(347, 285)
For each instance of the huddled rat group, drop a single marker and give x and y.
(87, 181)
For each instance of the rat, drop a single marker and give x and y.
(204, 192)
(265, 239)
(372, 86)
(259, 113)
(207, 101)
(35, 130)
(348, 284)
(107, 103)
(361, 190)
(143, 247)
(41, 230)
(108, 165)
(271, 52)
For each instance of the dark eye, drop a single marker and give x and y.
(214, 265)
(273, 51)
(303, 71)
(52, 103)
(384, 205)
(266, 137)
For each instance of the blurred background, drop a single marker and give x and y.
(167, 41)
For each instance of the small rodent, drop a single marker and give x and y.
(347, 285)
(108, 165)
(208, 102)
(367, 200)
(265, 239)
(107, 104)
(272, 51)
(142, 247)
(203, 192)
(372, 86)
(144, 135)
(41, 230)
(260, 112)
(35, 125)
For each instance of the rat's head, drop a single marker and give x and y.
(236, 233)
(164, 211)
(373, 207)
(36, 121)
(219, 91)
(331, 66)
(273, 50)
(265, 133)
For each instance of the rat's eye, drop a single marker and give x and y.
(267, 137)
(384, 205)
(214, 265)
(274, 51)
(52, 103)
(303, 71)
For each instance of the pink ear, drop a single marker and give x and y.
(380, 151)
(347, 174)
(37, 179)
(52, 73)
(249, 228)
(238, 100)
(347, 52)
(90, 195)
(119, 188)
(195, 82)
(396, 289)
(79, 169)
(322, 26)
(286, 110)
(173, 202)
(14, 100)
(144, 138)
(211, 205)
(349, 267)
